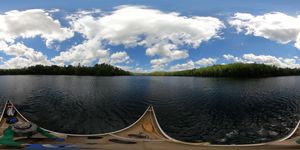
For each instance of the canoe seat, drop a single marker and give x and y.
(121, 141)
(94, 137)
(141, 135)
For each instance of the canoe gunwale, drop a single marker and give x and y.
(289, 135)
(3, 111)
(103, 134)
(165, 137)
(170, 138)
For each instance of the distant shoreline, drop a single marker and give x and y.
(235, 70)
(96, 70)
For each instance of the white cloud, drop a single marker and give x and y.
(28, 24)
(134, 69)
(159, 64)
(86, 53)
(246, 58)
(206, 61)
(17, 62)
(275, 26)
(126, 24)
(272, 60)
(232, 58)
(167, 52)
(189, 65)
(139, 69)
(31, 23)
(264, 59)
(91, 49)
(161, 33)
(88, 12)
(119, 57)
(22, 56)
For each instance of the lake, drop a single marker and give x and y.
(218, 110)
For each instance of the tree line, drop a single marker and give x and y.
(96, 70)
(233, 70)
(228, 70)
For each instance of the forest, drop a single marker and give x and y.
(96, 70)
(228, 70)
(233, 70)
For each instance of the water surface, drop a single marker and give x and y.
(218, 110)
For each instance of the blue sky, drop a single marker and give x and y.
(149, 35)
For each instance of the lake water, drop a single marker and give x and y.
(218, 110)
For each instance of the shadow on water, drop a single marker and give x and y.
(219, 110)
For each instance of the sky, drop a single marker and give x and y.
(144, 36)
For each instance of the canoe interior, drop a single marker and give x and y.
(145, 129)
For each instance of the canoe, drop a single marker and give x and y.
(145, 130)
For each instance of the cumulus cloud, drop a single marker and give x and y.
(91, 49)
(86, 53)
(275, 26)
(161, 33)
(246, 58)
(185, 66)
(23, 56)
(159, 64)
(206, 61)
(119, 57)
(32, 23)
(126, 25)
(168, 53)
(230, 57)
(264, 59)
(133, 69)
(272, 60)
(191, 64)
(29, 24)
